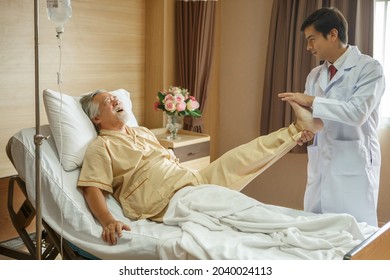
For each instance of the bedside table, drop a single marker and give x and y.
(191, 148)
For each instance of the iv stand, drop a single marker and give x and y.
(38, 139)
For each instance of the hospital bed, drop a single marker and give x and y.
(71, 231)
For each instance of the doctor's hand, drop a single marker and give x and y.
(297, 97)
(113, 229)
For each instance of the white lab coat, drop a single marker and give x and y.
(344, 160)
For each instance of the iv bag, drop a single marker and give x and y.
(59, 12)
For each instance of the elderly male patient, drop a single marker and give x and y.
(130, 164)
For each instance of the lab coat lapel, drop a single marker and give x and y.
(323, 78)
(350, 62)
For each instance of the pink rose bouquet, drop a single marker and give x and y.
(177, 101)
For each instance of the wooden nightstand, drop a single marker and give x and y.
(191, 148)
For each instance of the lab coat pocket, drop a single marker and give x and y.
(348, 157)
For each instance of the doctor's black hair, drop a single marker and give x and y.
(325, 19)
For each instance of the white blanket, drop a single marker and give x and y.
(219, 223)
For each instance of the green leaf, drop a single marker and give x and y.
(196, 113)
(160, 96)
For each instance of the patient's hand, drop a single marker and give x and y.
(113, 229)
(98, 206)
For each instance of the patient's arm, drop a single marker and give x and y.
(98, 206)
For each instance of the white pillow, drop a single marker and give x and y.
(73, 128)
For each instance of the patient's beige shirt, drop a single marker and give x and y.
(143, 176)
(140, 173)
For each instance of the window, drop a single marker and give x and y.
(381, 44)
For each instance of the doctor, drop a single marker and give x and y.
(344, 160)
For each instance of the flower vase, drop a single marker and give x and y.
(173, 123)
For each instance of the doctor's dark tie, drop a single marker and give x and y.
(332, 71)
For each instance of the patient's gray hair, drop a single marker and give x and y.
(91, 108)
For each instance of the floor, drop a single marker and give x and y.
(16, 244)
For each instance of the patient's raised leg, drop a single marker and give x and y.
(305, 120)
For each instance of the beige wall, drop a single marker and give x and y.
(160, 62)
(384, 191)
(243, 50)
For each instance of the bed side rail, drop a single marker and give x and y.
(375, 247)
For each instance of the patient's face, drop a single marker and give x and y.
(111, 114)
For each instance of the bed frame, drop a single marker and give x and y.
(21, 218)
(52, 243)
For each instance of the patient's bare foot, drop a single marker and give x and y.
(305, 120)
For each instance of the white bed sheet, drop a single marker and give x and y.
(65, 210)
(245, 228)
